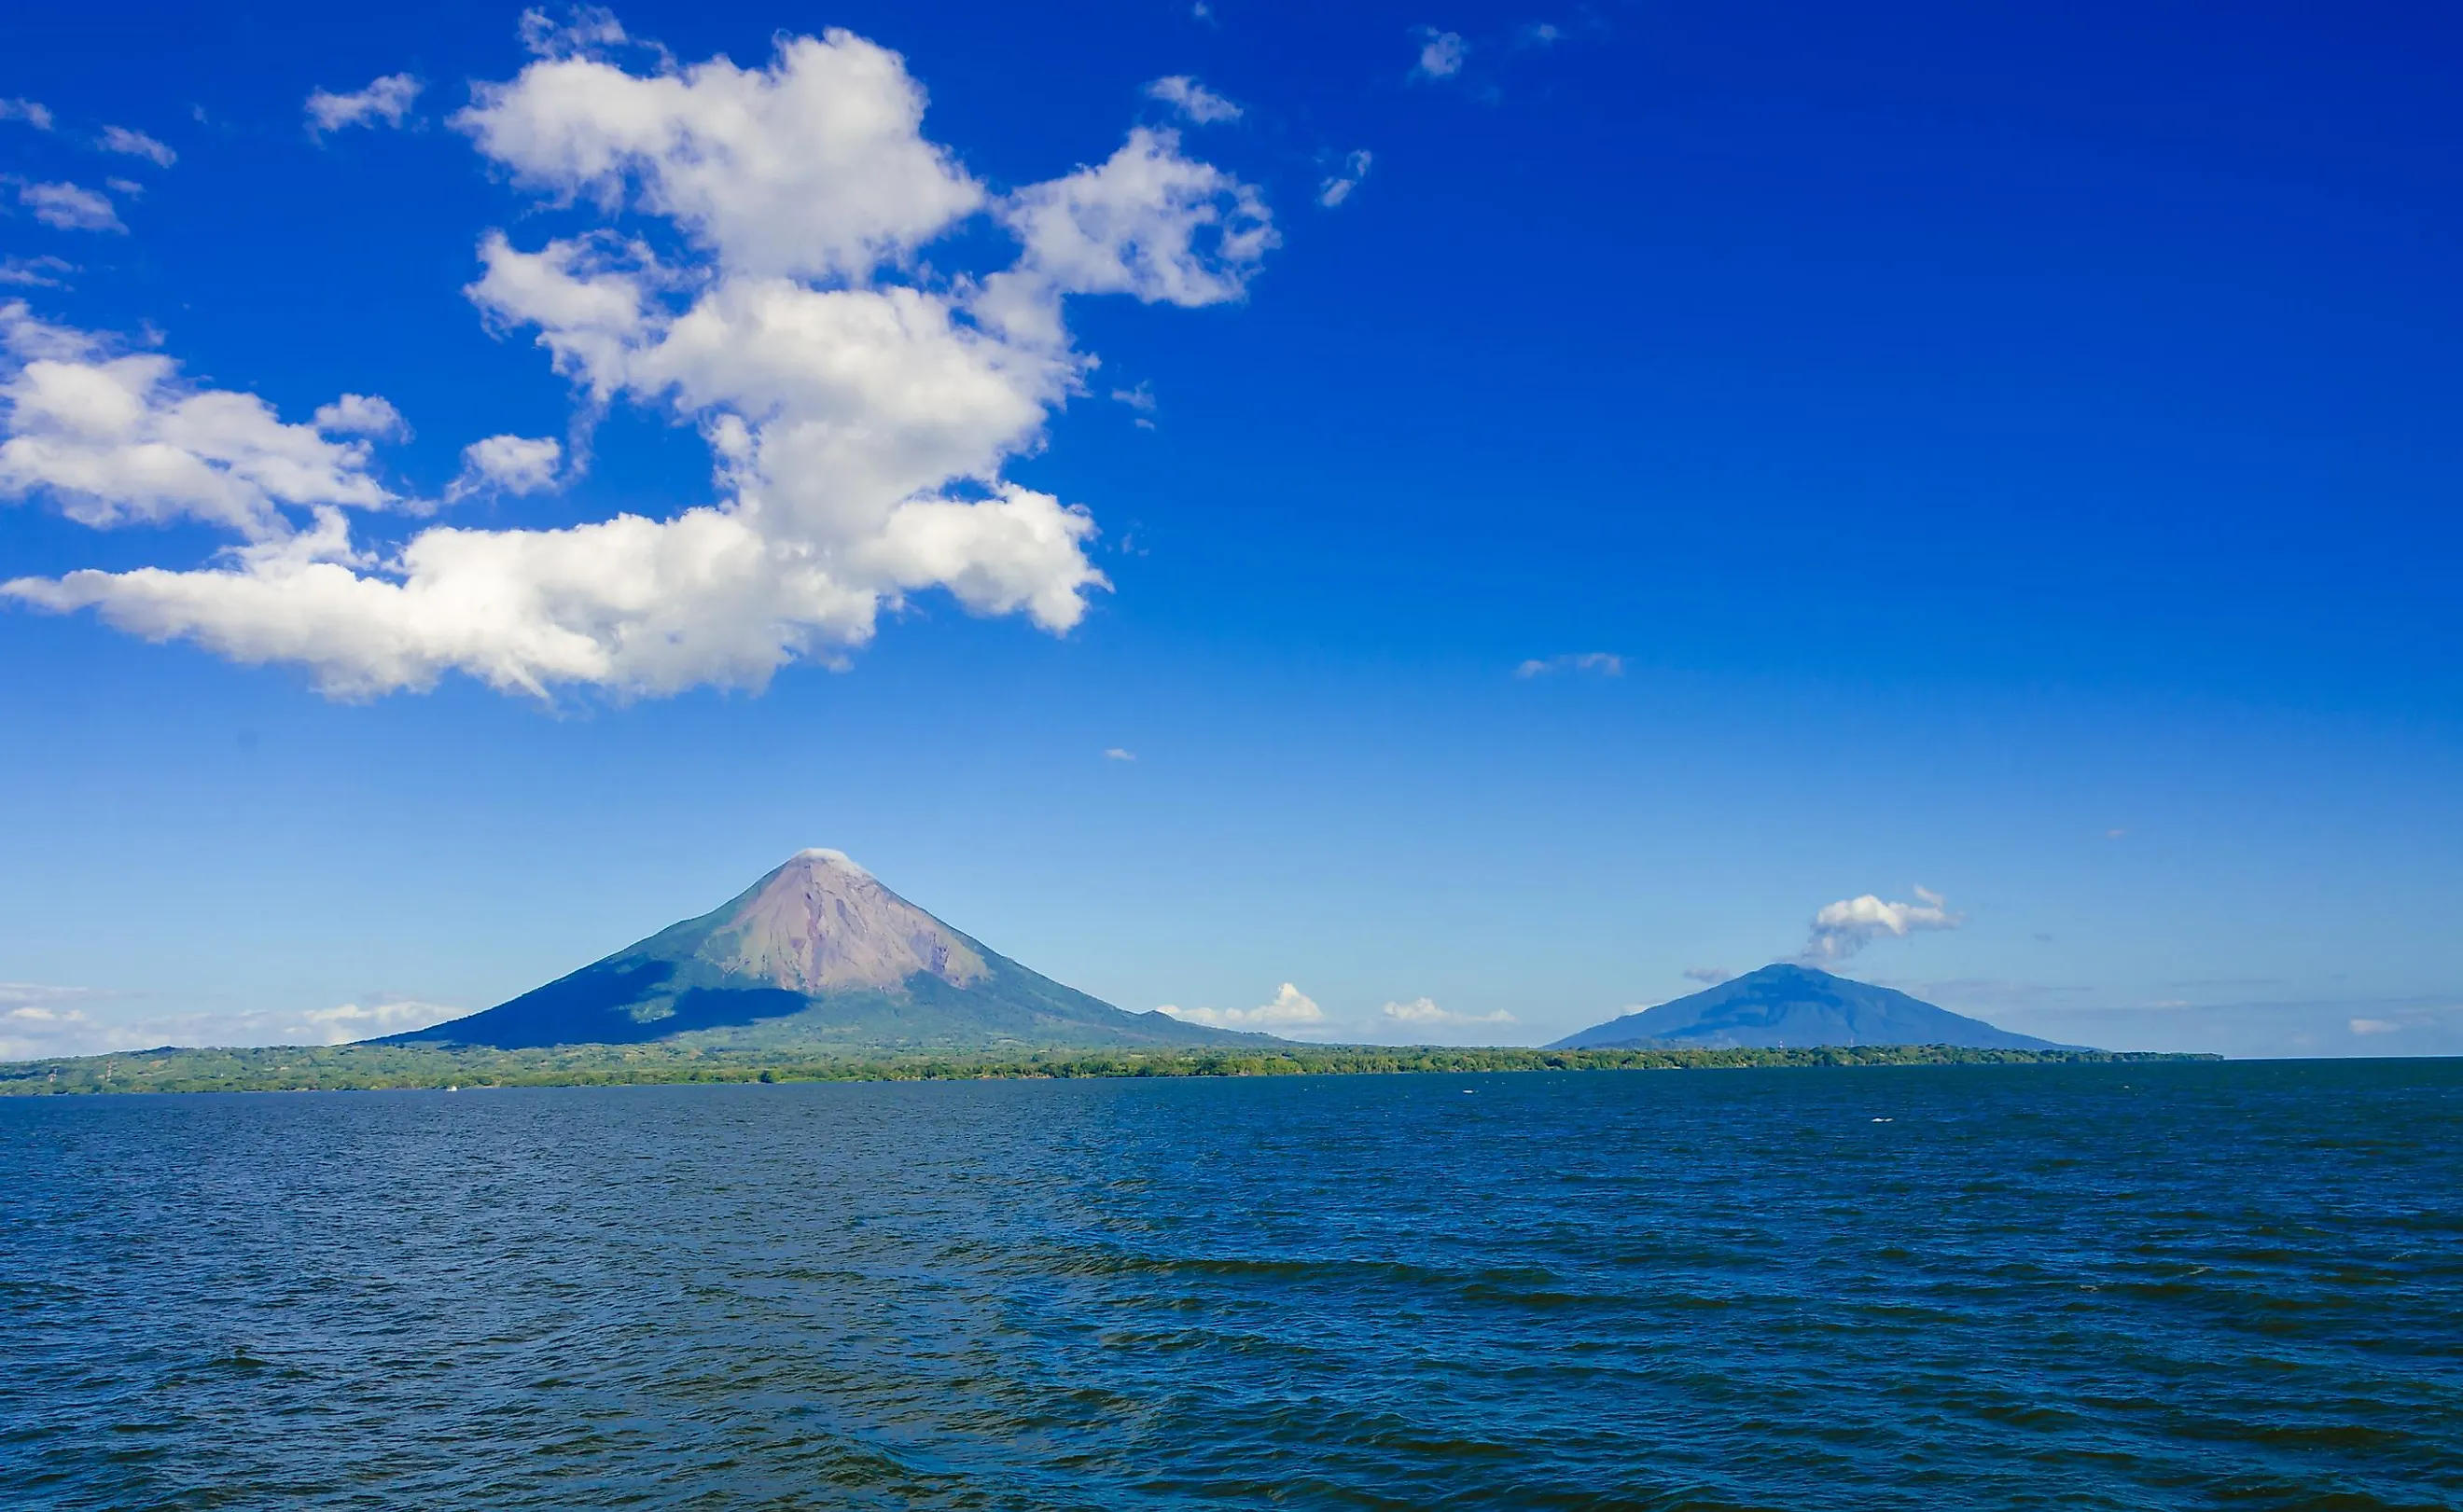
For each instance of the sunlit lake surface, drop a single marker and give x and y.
(2180, 1286)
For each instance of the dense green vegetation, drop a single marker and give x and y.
(360, 1068)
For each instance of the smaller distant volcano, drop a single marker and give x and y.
(1796, 1008)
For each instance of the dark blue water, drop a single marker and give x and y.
(2195, 1285)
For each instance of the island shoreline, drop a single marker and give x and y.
(391, 1067)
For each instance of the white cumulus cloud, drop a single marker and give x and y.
(135, 145)
(386, 99)
(1290, 1009)
(70, 206)
(1147, 222)
(362, 415)
(1841, 929)
(813, 166)
(860, 409)
(1193, 101)
(122, 438)
(516, 465)
(346, 1023)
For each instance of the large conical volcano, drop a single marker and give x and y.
(818, 954)
(1796, 1006)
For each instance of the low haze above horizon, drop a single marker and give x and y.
(1397, 525)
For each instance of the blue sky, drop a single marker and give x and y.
(1703, 465)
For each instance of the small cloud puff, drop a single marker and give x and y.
(1708, 976)
(1441, 53)
(516, 465)
(1340, 184)
(362, 415)
(386, 99)
(34, 112)
(1119, 754)
(1192, 100)
(1605, 663)
(1843, 928)
(1292, 1009)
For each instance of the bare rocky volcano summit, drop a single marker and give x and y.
(823, 922)
(816, 955)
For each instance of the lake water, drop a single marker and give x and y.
(2176, 1285)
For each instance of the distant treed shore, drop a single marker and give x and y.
(372, 1068)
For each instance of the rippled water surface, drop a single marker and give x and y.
(2181, 1285)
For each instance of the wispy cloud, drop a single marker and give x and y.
(34, 112)
(1340, 184)
(385, 101)
(21, 994)
(1708, 976)
(1605, 663)
(1192, 100)
(135, 145)
(35, 272)
(586, 31)
(70, 206)
(1119, 754)
(2366, 1026)
(1841, 929)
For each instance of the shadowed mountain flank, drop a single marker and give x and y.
(818, 954)
(1787, 1007)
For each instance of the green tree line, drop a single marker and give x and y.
(370, 1068)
